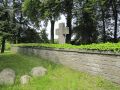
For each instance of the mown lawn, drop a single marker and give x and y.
(58, 77)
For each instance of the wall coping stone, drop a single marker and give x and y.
(86, 51)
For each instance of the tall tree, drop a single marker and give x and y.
(4, 25)
(85, 20)
(67, 7)
(103, 7)
(52, 8)
(114, 6)
(43, 10)
(7, 24)
(115, 15)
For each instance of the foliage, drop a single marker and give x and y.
(43, 36)
(32, 8)
(45, 10)
(29, 36)
(67, 10)
(115, 47)
(32, 36)
(58, 77)
(7, 46)
(101, 16)
(85, 29)
(6, 25)
(0, 40)
(38, 10)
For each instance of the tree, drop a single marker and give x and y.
(67, 7)
(43, 36)
(19, 20)
(114, 4)
(52, 11)
(113, 7)
(29, 35)
(5, 27)
(86, 23)
(92, 18)
(103, 7)
(45, 10)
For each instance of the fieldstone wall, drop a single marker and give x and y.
(102, 63)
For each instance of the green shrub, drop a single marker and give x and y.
(8, 46)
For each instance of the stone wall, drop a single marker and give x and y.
(106, 64)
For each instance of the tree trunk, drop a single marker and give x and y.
(19, 31)
(69, 20)
(116, 19)
(103, 20)
(52, 31)
(14, 38)
(3, 45)
(68, 36)
(18, 36)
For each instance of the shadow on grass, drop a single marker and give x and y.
(23, 64)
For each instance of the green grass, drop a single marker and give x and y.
(115, 47)
(58, 77)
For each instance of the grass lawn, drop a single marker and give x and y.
(58, 77)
